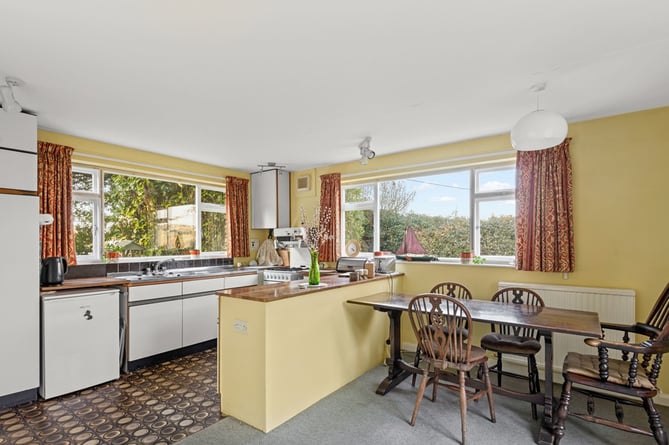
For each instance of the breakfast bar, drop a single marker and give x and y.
(283, 346)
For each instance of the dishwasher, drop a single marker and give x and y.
(80, 340)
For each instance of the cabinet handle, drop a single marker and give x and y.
(88, 315)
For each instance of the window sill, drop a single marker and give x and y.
(458, 263)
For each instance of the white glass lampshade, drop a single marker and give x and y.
(538, 130)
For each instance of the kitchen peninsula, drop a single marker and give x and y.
(283, 347)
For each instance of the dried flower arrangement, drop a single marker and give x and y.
(316, 227)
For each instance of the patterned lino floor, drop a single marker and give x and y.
(156, 405)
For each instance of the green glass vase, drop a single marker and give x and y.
(314, 270)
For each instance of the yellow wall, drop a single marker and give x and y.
(296, 350)
(131, 160)
(620, 209)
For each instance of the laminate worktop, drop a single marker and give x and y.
(278, 291)
(82, 283)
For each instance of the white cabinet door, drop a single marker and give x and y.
(18, 131)
(18, 170)
(200, 319)
(154, 328)
(19, 298)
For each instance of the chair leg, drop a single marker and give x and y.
(419, 397)
(463, 405)
(533, 377)
(654, 421)
(435, 385)
(562, 412)
(488, 385)
(499, 369)
(416, 362)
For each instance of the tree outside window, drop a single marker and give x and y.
(449, 212)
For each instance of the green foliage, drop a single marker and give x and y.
(83, 226)
(136, 209)
(442, 236)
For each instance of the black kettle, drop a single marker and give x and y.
(53, 270)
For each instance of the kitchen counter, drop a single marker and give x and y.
(278, 291)
(82, 283)
(282, 348)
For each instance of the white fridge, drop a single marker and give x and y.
(80, 340)
(19, 262)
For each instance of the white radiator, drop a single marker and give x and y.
(612, 305)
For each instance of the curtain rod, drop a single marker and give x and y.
(430, 164)
(82, 156)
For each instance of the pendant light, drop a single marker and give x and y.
(540, 129)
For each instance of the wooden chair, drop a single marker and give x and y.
(516, 340)
(452, 289)
(629, 380)
(439, 323)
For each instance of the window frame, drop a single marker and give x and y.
(97, 197)
(93, 196)
(476, 197)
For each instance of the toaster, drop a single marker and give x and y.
(349, 264)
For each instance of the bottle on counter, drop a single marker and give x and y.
(369, 265)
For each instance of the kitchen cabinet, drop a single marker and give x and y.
(200, 319)
(18, 131)
(270, 199)
(19, 301)
(200, 312)
(166, 318)
(19, 267)
(154, 328)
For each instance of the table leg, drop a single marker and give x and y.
(396, 367)
(546, 432)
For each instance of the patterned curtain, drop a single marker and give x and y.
(330, 199)
(544, 222)
(54, 186)
(237, 221)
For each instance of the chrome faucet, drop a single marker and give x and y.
(160, 264)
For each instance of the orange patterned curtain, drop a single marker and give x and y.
(330, 199)
(54, 186)
(544, 222)
(237, 221)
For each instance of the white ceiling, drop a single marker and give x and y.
(238, 83)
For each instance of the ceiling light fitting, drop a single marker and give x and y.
(7, 99)
(365, 152)
(540, 129)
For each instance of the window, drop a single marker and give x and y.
(471, 208)
(144, 217)
(86, 209)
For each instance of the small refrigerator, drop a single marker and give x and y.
(80, 340)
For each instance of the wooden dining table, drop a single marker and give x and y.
(546, 320)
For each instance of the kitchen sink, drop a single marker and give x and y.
(185, 273)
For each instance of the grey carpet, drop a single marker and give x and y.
(355, 414)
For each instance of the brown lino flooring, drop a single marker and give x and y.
(157, 405)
